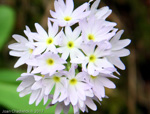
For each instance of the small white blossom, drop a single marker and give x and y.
(64, 14)
(77, 88)
(95, 60)
(99, 82)
(71, 43)
(96, 30)
(46, 41)
(47, 63)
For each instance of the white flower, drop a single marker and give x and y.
(47, 63)
(46, 41)
(23, 48)
(77, 88)
(32, 84)
(96, 30)
(118, 50)
(99, 82)
(95, 61)
(59, 81)
(71, 43)
(64, 14)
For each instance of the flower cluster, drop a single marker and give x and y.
(71, 63)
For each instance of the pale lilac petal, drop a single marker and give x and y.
(120, 44)
(68, 32)
(79, 10)
(21, 60)
(106, 82)
(40, 30)
(36, 85)
(95, 4)
(72, 95)
(116, 37)
(45, 99)
(53, 14)
(40, 97)
(69, 7)
(117, 62)
(16, 53)
(91, 69)
(34, 96)
(39, 50)
(18, 47)
(59, 108)
(121, 53)
(101, 12)
(20, 38)
(49, 87)
(65, 55)
(89, 102)
(26, 91)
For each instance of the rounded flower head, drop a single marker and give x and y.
(70, 66)
(64, 14)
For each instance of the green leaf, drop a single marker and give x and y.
(10, 99)
(7, 75)
(7, 19)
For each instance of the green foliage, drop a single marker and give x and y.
(10, 99)
(7, 19)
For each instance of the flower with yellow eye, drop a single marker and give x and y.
(77, 87)
(46, 41)
(47, 63)
(96, 30)
(64, 14)
(95, 60)
(71, 43)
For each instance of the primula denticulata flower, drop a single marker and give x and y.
(71, 66)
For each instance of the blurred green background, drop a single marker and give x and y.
(132, 95)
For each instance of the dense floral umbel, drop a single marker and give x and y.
(70, 66)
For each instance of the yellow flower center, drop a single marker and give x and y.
(73, 81)
(93, 77)
(42, 76)
(67, 18)
(56, 79)
(50, 61)
(92, 58)
(49, 41)
(91, 37)
(30, 51)
(70, 44)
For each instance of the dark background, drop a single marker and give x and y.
(132, 93)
